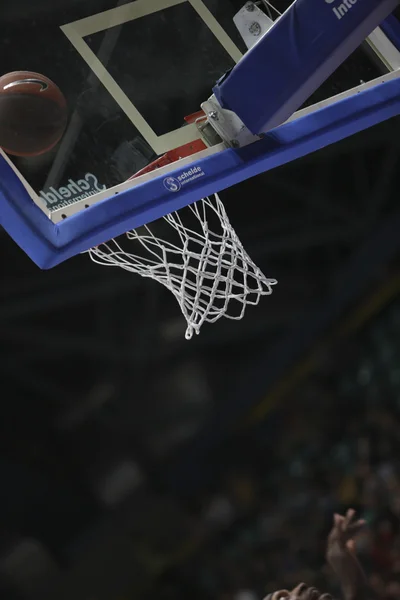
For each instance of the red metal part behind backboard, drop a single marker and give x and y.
(177, 153)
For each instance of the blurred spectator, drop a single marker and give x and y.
(268, 528)
(337, 445)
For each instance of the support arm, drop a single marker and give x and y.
(302, 49)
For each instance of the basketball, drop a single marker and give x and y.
(33, 113)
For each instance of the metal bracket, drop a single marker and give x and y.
(219, 122)
(227, 124)
(207, 133)
(252, 23)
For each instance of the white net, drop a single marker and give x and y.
(209, 272)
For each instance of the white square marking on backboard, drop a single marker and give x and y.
(78, 30)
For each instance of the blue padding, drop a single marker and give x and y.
(391, 27)
(304, 47)
(49, 244)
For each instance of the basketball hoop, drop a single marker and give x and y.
(207, 270)
(195, 253)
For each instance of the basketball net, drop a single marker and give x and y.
(195, 253)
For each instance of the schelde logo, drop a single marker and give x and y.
(341, 9)
(72, 191)
(174, 184)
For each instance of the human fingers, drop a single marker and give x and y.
(278, 595)
(298, 591)
(311, 594)
(348, 518)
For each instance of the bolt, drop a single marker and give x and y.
(250, 7)
(235, 144)
(213, 115)
(255, 29)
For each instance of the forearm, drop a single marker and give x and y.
(352, 578)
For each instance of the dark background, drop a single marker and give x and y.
(135, 464)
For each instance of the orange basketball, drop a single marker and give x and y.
(33, 113)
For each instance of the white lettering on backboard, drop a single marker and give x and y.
(174, 184)
(72, 191)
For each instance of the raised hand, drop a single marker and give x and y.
(300, 592)
(345, 528)
(341, 555)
